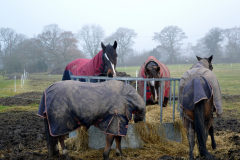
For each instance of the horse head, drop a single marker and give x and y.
(153, 71)
(209, 60)
(137, 118)
(110, 59)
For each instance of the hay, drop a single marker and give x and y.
(156, 146)
(79, 143)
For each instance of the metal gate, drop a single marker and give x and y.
(172, 95)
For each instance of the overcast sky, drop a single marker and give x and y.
(195, 17)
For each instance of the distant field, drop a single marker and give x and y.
(228, 76)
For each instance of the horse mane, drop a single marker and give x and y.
(202, 63)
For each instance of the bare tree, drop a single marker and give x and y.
(124, 38)
(9, 42)
(232, 37)
(67, 48)
(170, 40)
(49, 38)
(90, 38)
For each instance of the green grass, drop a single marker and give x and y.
(228, 76)
(32, 107)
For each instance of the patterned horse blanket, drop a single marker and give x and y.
(164, 72)
(109, 105)
(200, 83)
(85, 67)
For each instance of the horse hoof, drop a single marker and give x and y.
(120, 155)
(214, 146)
(105, 156)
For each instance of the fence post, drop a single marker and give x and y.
(161, 100)
(15, 84)
(21, 80)
(174, 86)
(136, 80)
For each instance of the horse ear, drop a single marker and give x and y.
(210, 58)
(103, 46)
(115, 45)
(199, 58)
(158, 69)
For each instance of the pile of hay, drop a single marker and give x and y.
(155, 146)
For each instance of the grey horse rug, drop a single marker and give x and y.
(200, 83)
(109, 106)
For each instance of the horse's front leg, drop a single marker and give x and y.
(191, 139)
(109, 141)
(118, 146)
(61, 140)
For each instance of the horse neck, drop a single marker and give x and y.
(201, 64)
(96, 60)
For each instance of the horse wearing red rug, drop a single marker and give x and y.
(103, 64)
(152, 68)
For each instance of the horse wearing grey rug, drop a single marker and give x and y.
(68, 105)
(200, 96)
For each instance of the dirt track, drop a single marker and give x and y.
(22, 134)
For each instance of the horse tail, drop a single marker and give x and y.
(52, 142)
(200, 130)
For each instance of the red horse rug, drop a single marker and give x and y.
(164, 73)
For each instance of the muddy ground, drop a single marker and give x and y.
(22, 134)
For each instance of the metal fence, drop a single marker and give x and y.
(127, 80)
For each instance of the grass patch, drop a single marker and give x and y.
(32, 107)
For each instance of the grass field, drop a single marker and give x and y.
(228, 76)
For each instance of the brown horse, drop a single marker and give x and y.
(153, 69)
(199, 92)
(68, 105)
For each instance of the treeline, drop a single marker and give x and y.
(223, 44)
(55, 48)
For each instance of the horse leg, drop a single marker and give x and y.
(61, 140)
(52, 142)
(109, 141)
(211, 133)
(165, 102)
(209, 113)
(191, 139)
(118, 146)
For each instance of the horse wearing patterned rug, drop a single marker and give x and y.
(200, 96)
(103, 64)
(68, 105)
(154, 69)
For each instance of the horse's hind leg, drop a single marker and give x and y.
(61, 140)
(109, 141)
(191, 139)
(118, 146)
(211, 133)
(52, 142)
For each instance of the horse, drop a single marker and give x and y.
(103, 64)
(68, 105)
(200, 96)
(154, 69)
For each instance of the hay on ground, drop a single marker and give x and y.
(156, 146)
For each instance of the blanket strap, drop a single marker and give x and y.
(188, 117)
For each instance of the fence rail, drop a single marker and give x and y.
(136, 79)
